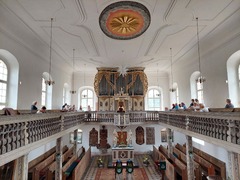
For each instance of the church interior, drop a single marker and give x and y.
(116, 89)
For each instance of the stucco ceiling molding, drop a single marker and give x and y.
(81, 10)
(169, 9)
(91, 38)
(154, 39)
(214, 12)
(33, 13)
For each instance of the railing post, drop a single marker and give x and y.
(231, 132)
(187, 123)
(62, 122)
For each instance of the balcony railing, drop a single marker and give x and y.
(22, 131)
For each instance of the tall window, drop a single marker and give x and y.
(199, 90)
(64, 95)
(3, 84)
(153, 99)
(44, 92)
(87, 99)
(239, 78)
(177, 95)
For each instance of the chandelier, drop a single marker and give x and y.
(73, 91)
(200, 79)
(172, 89)
(50, 81)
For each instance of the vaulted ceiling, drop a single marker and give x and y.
(76, 26)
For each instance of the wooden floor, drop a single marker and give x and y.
(105, 173)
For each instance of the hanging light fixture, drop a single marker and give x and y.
(171, 89)
(50, 81)
(84, 95)
(158, 82)
(200, 79)
(73, 91)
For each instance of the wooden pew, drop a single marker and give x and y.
(37, 160)
(170, 170)
(201, 161)
(82, 165)
(181, 168)
(41, 168)
(72, 162)
(219, 165)
(183, 158)
(220, 109)
(51, 169)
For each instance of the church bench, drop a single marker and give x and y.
(220, 109)
(181, 168)
(71, 169)
(41, 168)
(183, 158)
(37, 160)
(206, 165)
(170, 170)
(82, 165)
(72, 160)
(51, 169)
(219, 165)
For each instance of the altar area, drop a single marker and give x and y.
(122, 148)
(122, 153)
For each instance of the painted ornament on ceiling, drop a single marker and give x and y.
(124, 20)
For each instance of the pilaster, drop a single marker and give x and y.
(58, 172)
(190, 161)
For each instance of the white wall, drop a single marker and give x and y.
(178, 137)
(32, 54)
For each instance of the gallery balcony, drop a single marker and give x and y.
(23, 133)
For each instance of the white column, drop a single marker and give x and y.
(233, 164)
(21, 171)
(189, 154)
(169, 141)
(75, 141)
(58, 172)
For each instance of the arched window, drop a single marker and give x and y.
(199, 86)
(66, 94)
(239, 79)
(233, 72)
(3, 84)
(46, 99)
(153, 100)
(44, 93)
(86, 99)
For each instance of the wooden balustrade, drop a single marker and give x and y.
(20, 131)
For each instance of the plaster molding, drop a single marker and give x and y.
(169, 9)
(81, 10)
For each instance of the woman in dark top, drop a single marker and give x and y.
(34, 107)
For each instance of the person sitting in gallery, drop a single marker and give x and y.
(203, 108)
(183, 105)
(42, 110)
(34, 107)
(64, 106)
(229, 104)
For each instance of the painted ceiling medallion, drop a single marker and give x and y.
(124, 20)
